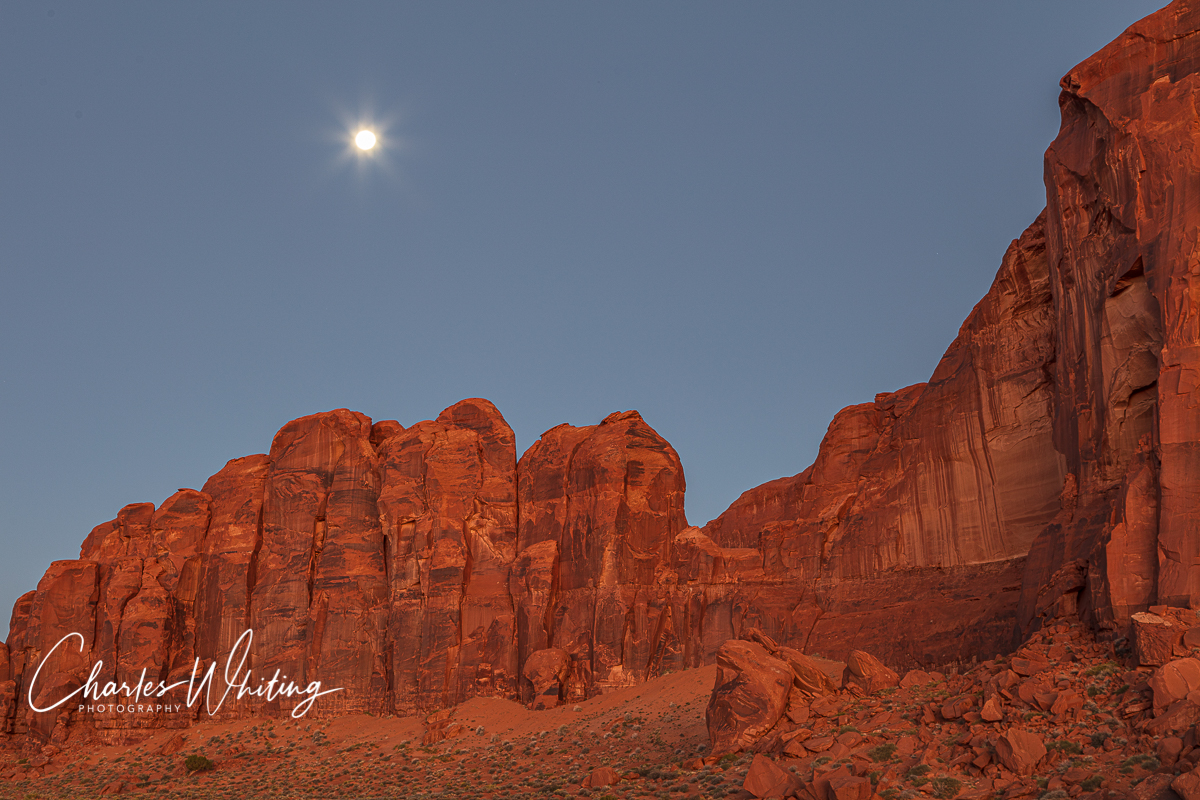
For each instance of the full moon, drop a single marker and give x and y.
(365, 140)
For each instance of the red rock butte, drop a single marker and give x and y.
(1049, 468)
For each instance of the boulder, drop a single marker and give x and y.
(955, 707)
(1029, 666)
(601, 776)
(1187, 785)
(992, 710)
(809, 680)
(1067, 704)
(1154, 639)
(1175, 718)
(868, 673)
(1168, 749)
(748, 698)
(1155, 787)
(1020, 751)
(765, 779)
(173, 745)
(826, 706)
(1174, 681)
(850, 787)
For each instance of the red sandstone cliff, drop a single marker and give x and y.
(1052, 463)
(387, 562)
(1049, 467)
(908, 535)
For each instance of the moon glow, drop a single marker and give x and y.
(365, 140)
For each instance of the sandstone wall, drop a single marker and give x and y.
(391, 563)
(1052, 463)
(1050, 466)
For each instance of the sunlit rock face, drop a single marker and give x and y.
(449, 510)
(1124, 208)
(389, 563)
(1049, 467)
(600, 509)
(907, 536)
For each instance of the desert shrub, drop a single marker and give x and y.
(1107, 668)
(882, 752)
(198, 763)
(1144, 760)
(945, 787)
(916, 775)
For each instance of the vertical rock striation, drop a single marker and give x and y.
(1123, 199)
(390, 563)
(921, 506)
(1051, 464)
(1049, 467)
(448, 508)
(600, 508)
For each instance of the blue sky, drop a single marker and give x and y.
(736, 218)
